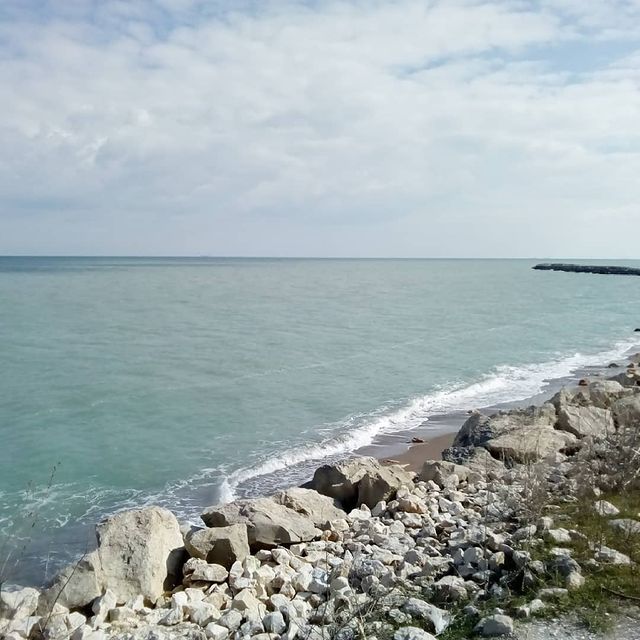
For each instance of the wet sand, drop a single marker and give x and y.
(430, 449)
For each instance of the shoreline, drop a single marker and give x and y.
(450, 534)
(438, 432)
(418, 452)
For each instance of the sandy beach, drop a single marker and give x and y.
(430, 449)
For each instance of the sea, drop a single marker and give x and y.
(187, 382)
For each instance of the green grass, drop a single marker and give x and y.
(597, 600)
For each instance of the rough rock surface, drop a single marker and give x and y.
(219, 545)
(139, 552)
(585, 421)
(528, 444)
(268, 522)
(319, 508)
(359, 481)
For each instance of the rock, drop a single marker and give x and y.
(440, 471)
(480, 429)
(536, 605)
(268, 523)
(628, 378)
(478, 460)
(417, 440)
(140, 552)
(342, 480)
(528, 444)
(574, 581)
(626, 412)
(583, 382)
(585, 421)
(438, 619)
(204, 572)
(516, 436)
(76, 586)
(495, 625)
(219, 545)
(321, 509)
(172, 617)
(451, 589)
(103, 604)
(600, 393)
(215, 631)
(604, 508)
(202, 613)
(626, 526)
(16, 602)
(274, 623)
(412, 633)
(606, 555)
(248, 605)
(558, 536)
(231, 619)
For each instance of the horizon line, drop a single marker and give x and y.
(278, 257)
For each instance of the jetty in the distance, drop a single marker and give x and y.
(584, 268)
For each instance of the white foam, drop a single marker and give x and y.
(506, 384)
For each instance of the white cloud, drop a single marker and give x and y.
(377, 128)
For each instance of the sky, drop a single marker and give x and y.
(406, 128)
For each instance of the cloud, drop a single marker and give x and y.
(320, 128)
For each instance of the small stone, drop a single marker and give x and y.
(173, 617)
(558, 536)
(495, 625)
(607, 555)
(232, 619)
(574, 581)
(604, 508)
(274, 623)
(412, 633)
(216, 632)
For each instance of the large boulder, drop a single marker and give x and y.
(382, 484)
(18, 603)
(626, 412)
(478, 460)
(479, 429)
(585, 421)
(359, 480)
(529, 444)
(440, 472)
(599, 393)
(628, 378)
(340, 480)
(76, 586)
(218, 545)
(139, 552)
(321, 509)
(515, 436)
(268, 523)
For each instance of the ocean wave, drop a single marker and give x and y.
(506, 383)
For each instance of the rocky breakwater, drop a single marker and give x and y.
(584, 268)
(363, 550)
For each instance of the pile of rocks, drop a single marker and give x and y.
(363, 550)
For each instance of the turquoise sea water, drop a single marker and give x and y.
(190, 381)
